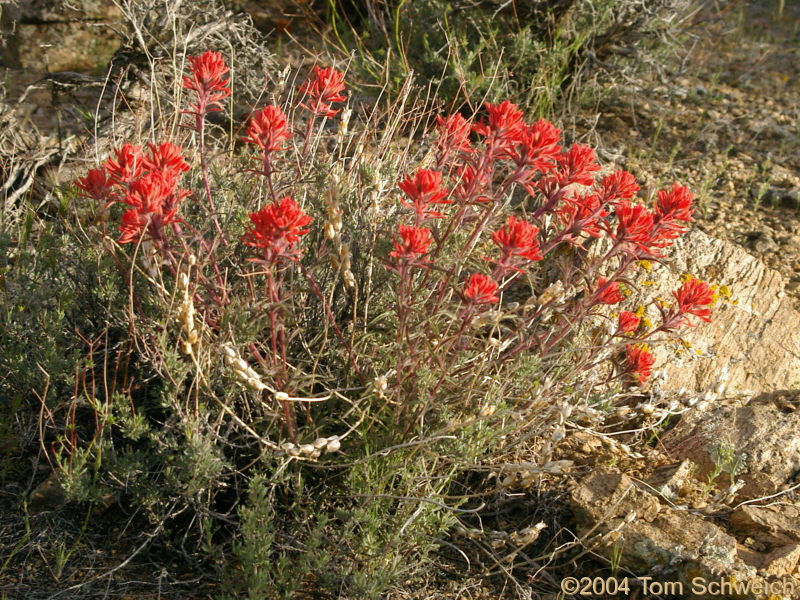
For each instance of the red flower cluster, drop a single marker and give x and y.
(582, 214)
(627, 322)
(207, 81)
(539, 147)
(453, 135)
(620, 185)
(639, 362)
(481, 289)
(504, 129)
(673, 210)
(415, 242)
(517, 238)
(321, 90)
(608, 292)
(148, 183)
(423, 189)
(268, 130)
(275, 230)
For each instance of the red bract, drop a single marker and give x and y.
(415, 242)
(694, 298)
(481, 289)
(627, 322)
(424, 188)
(268, 129)
(276, 228)
(639, 361)
(505, 127)
(127, 167)
(672, 211)
(517, 238)
(608, 293)
(153, 206)
(539, 146)
(95, 185)
(468, 189)
(453, 134)
(583, 213)
(321, 90)
(620, 185)
(577, 166)
(207, 81)
(166, 159)
(634, 226)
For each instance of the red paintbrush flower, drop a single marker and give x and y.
(583, 213)
(321, 90)
(207, 72)
(481, 289)
(539, 146)
(627, 322)
(620, 185)
(639, 362)
(276, 228)
(673, 211)
(453, 135)
(268, 129)
(634, 227)
(577, 166)
(166, 159)
(694, 298)
(415, 242)
(468, 189)
(504, 129)
(517, 238)
(96, 185)
(153, 205)
(608, 292)
(127, 167)
(424, 188)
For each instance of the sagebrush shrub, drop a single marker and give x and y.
(289, 309)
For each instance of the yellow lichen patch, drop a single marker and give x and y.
(645, 264)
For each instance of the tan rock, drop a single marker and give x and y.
(782, 562)
(772, 525)
(607, 494)
(754, 344)
(761, 441)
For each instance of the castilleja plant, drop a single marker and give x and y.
(509, 245)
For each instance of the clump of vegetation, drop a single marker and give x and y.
(538, 54)
(329, 331)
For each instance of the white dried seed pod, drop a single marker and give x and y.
(229, 352)
(281, 396)
(320, 442)
(316, 453)
(349, 278)
(488, 410)
(192, 260)
(192, 337)
(186, 347)
(241, 364)
(255, 384)
(307, 449)
(293, 451)
(243, 375)
(330, 232)
(333, 445)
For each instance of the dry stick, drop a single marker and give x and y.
(201, 122)
(331, 316)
